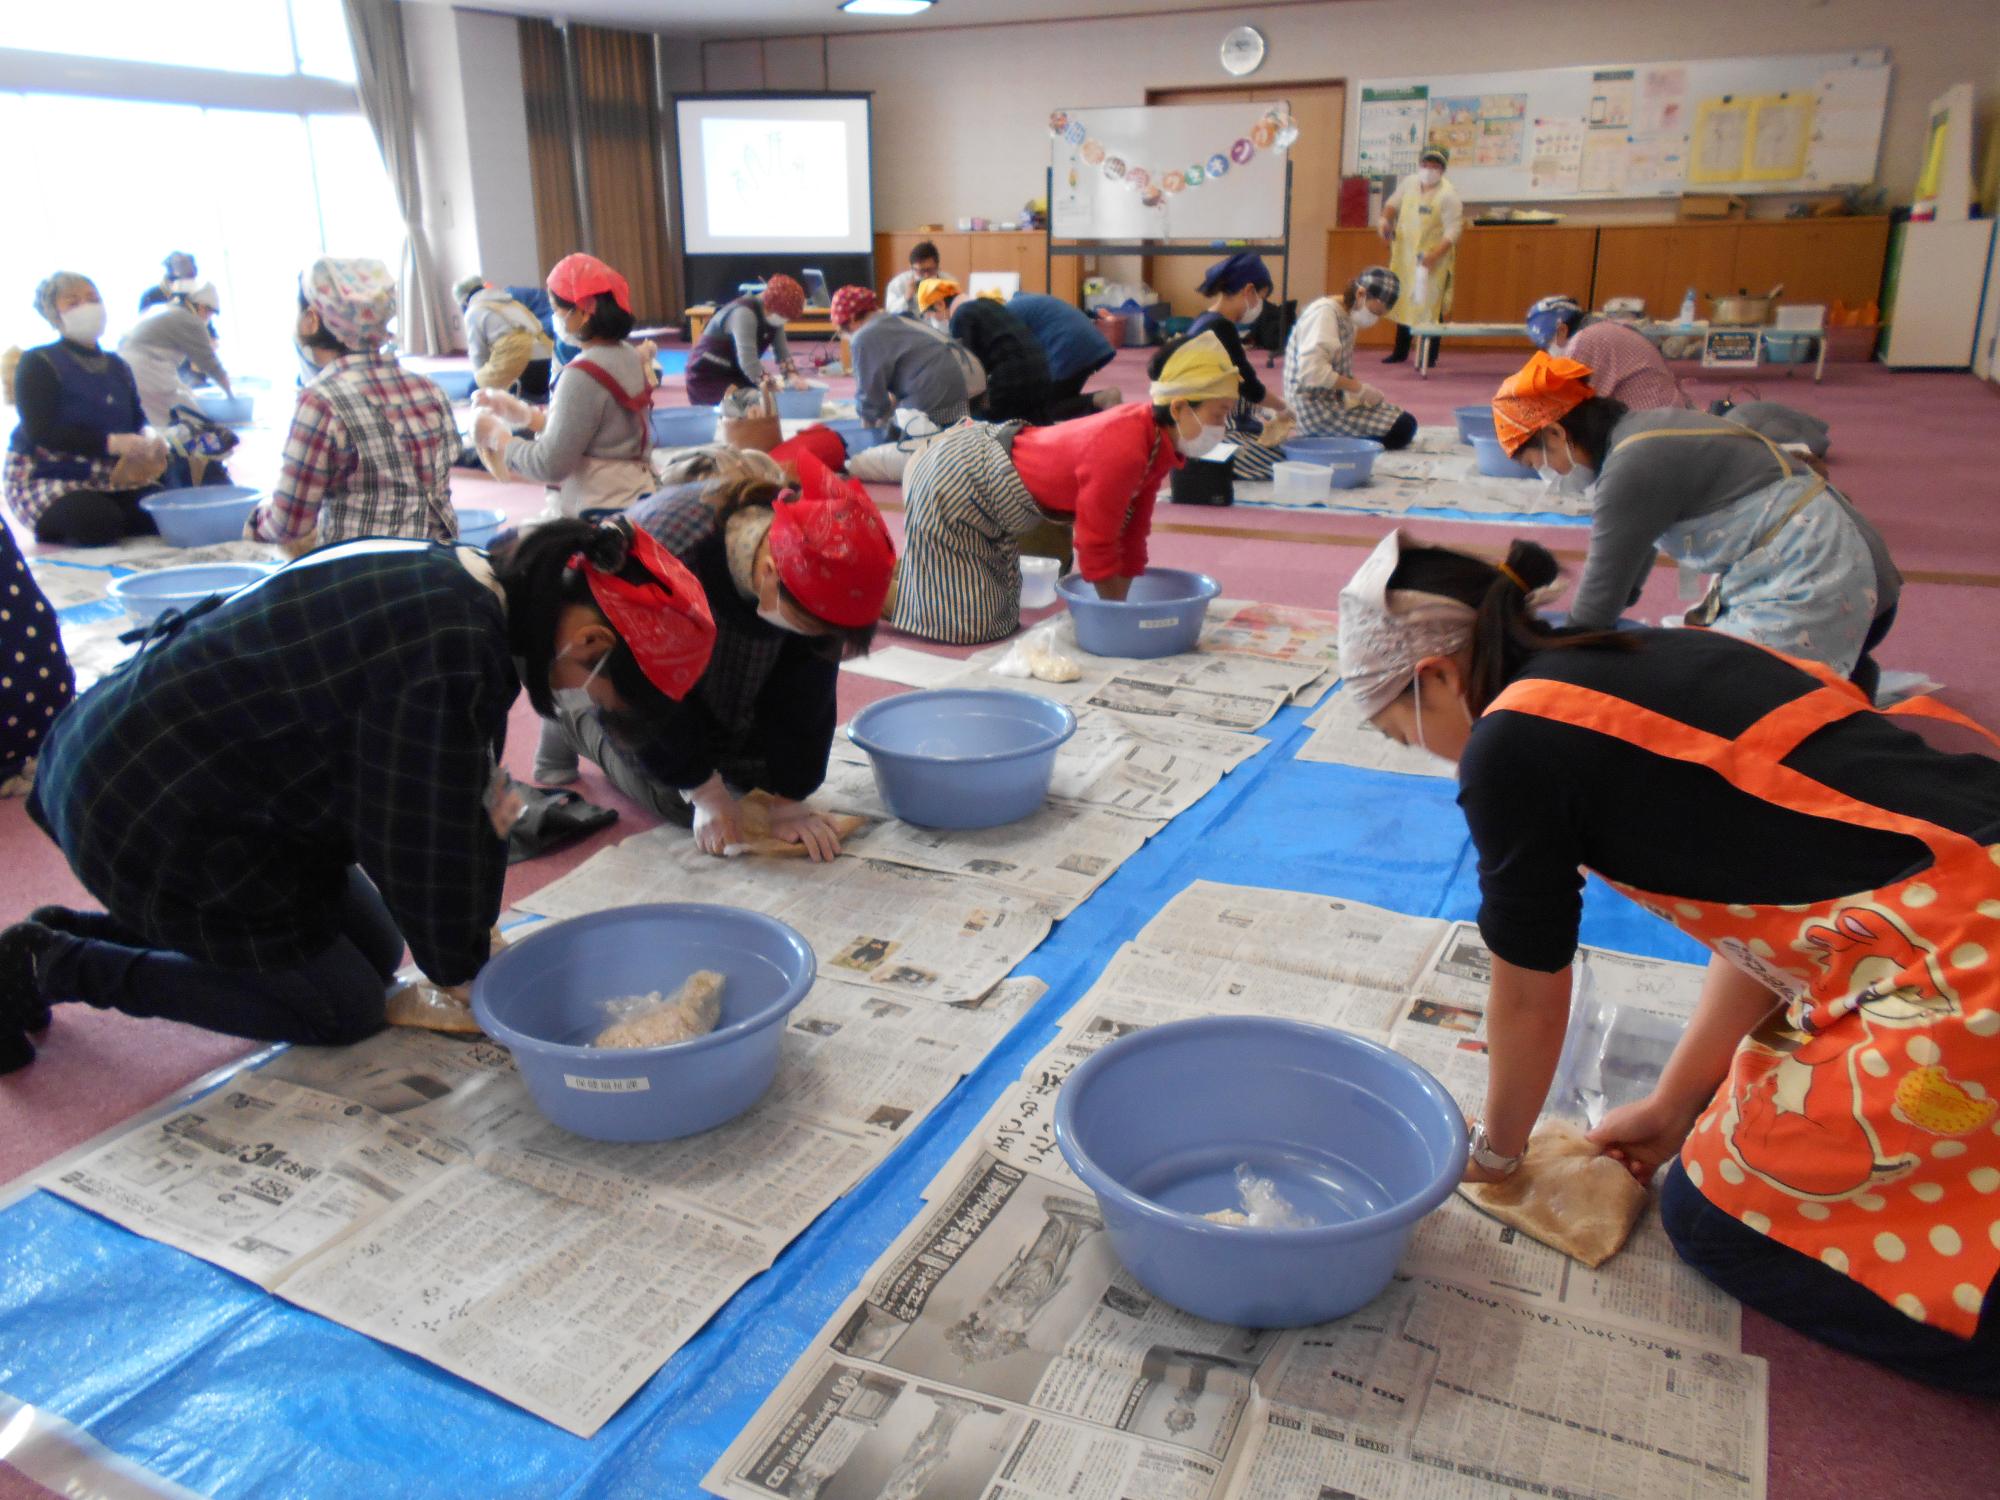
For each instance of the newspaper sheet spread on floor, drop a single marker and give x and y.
(1436, 471)
(998, 1350)
(407, 1188)
(1340, 735)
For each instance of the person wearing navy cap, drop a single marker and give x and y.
(1236, 288)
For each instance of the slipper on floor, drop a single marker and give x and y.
(552, 821)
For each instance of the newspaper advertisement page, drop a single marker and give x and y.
(1147, 696)
(911, 932)
(1281, 632)
(1058, 854)
(1341, 736)
(1035, 1366)
(1145, 768)
(1297, 931)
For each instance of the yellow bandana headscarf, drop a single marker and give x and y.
(1199, 370)
(933, 290)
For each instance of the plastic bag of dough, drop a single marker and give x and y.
(1567, 1194)
(1035, 655)
(658, 1021)
(416, 1002)
(755, 812)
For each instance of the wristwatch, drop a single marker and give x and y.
(1484, 1155)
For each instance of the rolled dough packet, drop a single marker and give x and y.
(1567, 1194)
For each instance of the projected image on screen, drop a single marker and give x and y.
(775, 179)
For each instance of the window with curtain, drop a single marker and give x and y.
(255, 176)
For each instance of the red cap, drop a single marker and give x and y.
(851, 303)
(832, 550)
(579, 278)
(784, 297)
(665, 620)
(822, 443)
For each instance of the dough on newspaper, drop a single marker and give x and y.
(755, 809)
(693, 1011)
(1565, 1194)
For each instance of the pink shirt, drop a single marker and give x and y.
(1626, 366)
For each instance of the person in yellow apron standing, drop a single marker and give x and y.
(1422, 222)
(1827, 1124)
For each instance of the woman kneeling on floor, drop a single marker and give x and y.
(973, 495)
(795, 580)
(284, 787)
(1320, 383)
(1824, 1128)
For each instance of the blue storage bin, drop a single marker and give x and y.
(543, 998)
(800, 406)
(1494, 462)
(963, 757)
(1351, 460)
(682, 426)
(203, 515)
(1784, 346)
(147, 596)
(1359, 1141)
(858, 435)
(1161, 614)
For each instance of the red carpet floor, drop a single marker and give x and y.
(1919, 454)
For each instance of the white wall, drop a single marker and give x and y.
(959, 114)
(444, 164)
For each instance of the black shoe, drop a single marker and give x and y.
(22, 1008)
(98, 926)
(1396, 358)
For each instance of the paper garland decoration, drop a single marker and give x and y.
(1275, 131)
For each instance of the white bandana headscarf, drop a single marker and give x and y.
(1385, 632)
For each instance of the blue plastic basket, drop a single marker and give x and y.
(1360, 1141)
(231, 411)
(858, 435)
(682, 426)
(202, 516)
(1351, 460)
(1494, 462)
(457, 385)
(1474, 422)
(801, 406)
(963, 757)
(478, 526)
(544, 998)
(147, 596)
(1160, 616)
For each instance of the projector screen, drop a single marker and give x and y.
(774, 174)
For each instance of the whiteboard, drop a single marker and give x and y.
(1149, 172)
(1634, 130)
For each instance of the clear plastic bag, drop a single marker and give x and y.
(656, 1020)
(1263, 1206)
(1035, 655)
(1612, 1055)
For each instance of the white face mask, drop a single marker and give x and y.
(1251, 313)
(1430, 177)
(1362, 317)
(84, 323)
(577, 700)
(775, 615)
(1207, 440)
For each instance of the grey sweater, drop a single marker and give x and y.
(1647, 488)
(584, 422)
(896, 363)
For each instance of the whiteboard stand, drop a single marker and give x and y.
(1281, 247)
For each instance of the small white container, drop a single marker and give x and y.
(1038, 581)
(1290, 481)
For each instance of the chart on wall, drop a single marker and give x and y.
(1640, 130)
(1170, 171)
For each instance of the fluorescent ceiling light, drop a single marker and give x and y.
(885, 7)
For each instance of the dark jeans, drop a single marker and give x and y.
(334, 997)
(708, 383)
(1402, 433)
(93, 518)
(1820, 1302)
(1066, 397)
(1402, 349)
(1867, 674)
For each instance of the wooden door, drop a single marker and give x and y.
(1661, 261)
(1818, 260)
(1319, 108)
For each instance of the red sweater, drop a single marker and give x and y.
(1105, 470)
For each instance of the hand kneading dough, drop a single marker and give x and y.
(755, 809)
(1567, 1195)
(693, 1011)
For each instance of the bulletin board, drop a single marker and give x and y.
(1633, 130)
(1169, 171)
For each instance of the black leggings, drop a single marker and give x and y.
(330, 999)
(1402, 434)
(1867, 673)
(93, 518)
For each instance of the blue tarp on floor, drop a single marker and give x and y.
(202, 1378)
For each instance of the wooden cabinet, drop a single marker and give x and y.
(1020, 251)
(1499, 271)
(1661, 261)
(1818, 260)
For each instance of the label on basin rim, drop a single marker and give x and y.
(608, 1085)
(1165, 623)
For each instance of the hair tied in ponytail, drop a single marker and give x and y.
(1512, 577)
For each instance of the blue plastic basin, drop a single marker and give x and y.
(147, 596)
(543, 998)
(456, 384)
(858, 435)
(1352, 460)
(1474, 422)
(1161, 616)
(231, 411)
(682, 426)
(800, 405)
(202, 516)
(478, 526)
(1361, 1142)
(963, 757)
(1494, 462)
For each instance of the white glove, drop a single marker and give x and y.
(718, 822)
(1366, 395)
(510, 409)
(491, 432)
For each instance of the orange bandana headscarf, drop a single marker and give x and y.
(1544, 390)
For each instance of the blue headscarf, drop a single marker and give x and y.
(1235, 273)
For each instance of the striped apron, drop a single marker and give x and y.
(965, 512)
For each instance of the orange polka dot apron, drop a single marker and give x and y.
(1858, 1125)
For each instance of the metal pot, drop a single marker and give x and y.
(1743, 309)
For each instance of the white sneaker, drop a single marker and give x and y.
(1107, 398)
